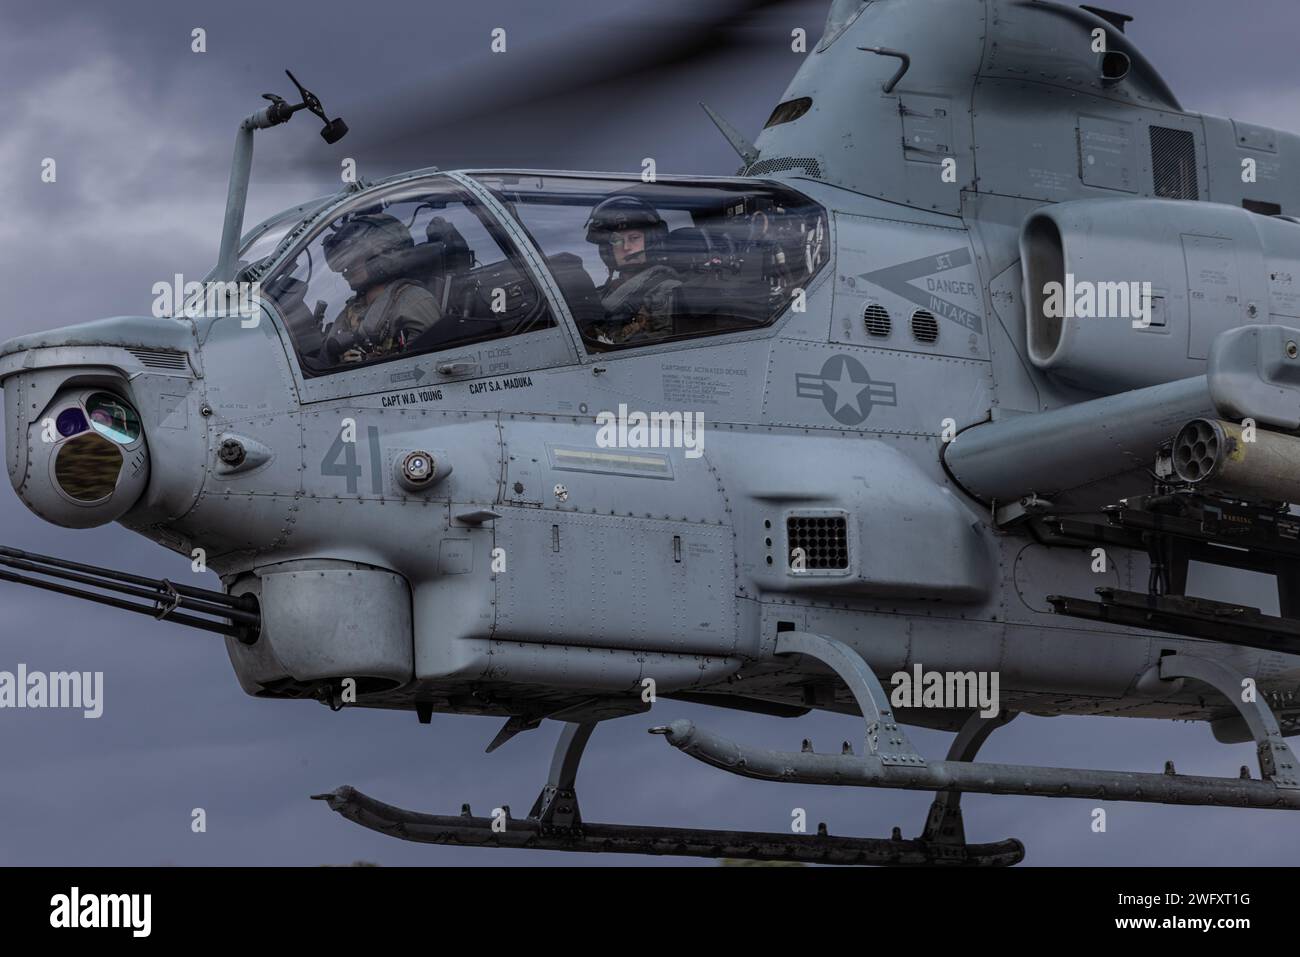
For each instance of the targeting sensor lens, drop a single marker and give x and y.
(87, 468)
(112, 418)
(71, 422)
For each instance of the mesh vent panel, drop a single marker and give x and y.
(1173, 163)
(783, 164)
(824, 540)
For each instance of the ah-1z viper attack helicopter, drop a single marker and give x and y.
(931, 428)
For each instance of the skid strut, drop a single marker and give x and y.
(943, 825)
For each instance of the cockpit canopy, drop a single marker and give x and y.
(432, 264)
(711, 257)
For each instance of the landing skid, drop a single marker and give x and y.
(555, 824)
(530, 833)
(888, 760)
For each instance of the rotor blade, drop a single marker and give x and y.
(535, 106)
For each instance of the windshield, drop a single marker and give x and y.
(640, 263)
(416, 269)
(259, 243)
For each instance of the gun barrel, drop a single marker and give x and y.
(235, 617)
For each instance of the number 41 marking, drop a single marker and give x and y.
(349, 468)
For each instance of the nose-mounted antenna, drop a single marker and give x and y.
(280, 111)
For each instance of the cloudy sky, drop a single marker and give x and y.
(141, 129)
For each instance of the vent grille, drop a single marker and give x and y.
(153, 359)
(876, 317)
(1173, 163)
(823, 539)
(783, 164)
(925, 328)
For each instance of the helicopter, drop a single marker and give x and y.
(986, 341)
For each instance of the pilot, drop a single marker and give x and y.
(640, 294)
(387, 312)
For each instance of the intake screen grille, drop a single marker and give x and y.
(925, 328)
(823, 539)
(1173, 163)
(876, 318)
(783, 164)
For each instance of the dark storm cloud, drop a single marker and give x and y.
(142, 130)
